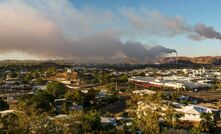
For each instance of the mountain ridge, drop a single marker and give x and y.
(194, 60)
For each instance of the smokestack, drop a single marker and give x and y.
(176, 58)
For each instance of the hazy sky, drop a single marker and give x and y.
(41, 29)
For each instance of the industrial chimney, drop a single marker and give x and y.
(176, 58)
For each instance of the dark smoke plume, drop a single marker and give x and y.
(206, 32)
(137, 50)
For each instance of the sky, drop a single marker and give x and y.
(101, 29)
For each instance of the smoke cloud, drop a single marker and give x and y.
(150, 54)
(203, 31)
(157, 23)
(51, 29)
(28, 31)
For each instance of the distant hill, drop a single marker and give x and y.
(191, 60)
(182, 60)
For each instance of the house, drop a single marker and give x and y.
(66, 78)
(5, 112)
(101, 94)
(39, 87)
(143, 107)
(142, 92)
(59, 103)
(84, 91)
(182, 98)
(108, 120)
(61, 116)
(13, 81)
(193, 112)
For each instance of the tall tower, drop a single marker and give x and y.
(176, 58)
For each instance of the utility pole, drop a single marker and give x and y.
(116, 85)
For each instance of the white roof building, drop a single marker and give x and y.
(172, 82)
(5, 112)
(145, 91)
(193, 112)
(107, 120)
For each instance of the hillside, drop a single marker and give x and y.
(193, 60)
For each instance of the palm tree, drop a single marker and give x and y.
(207, 122)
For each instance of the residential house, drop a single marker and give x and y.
(193, 112)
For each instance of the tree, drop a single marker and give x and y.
(42, 102)
(123, 79)
(51, 71)
(95, 80)
(43, 125)
(13, 75)
(3, 105)
(149, 112)
(39, 81)
(207, 122)
(8, 124)
(24, 102)
(27, 79)
(92, 120)
(73, 95)
(195, 130)
(75, 123)
(65, 107)
(142, 74)
(56, 89)
(89, 98)
(149, 123)
(39, 103)
(171, 117)
(37, 124)
(174, 96)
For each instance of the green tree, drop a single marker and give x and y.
(95, 80)
(195, 130)
(3, 105)
(75, 123)
(174, 96)
(142, 74)
(149, 123)
(24, 102)
(171, 117)
(64, 108)
(43, 125)
(207, 122)
(123, 79)
(92, 120)
(27, 79)
(8, 124)
(13, 75)
(42, 102)
(56, 89)
(51, 71)
(89, 98)
(37, 124)
(40, 81)
(73, 95)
